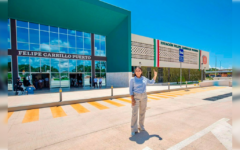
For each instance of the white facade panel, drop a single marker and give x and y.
(136, 62)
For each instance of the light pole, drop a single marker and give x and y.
(216, 66)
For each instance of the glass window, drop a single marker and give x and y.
(9, 35)
(23, 46)
(97, 52)
(55, 81)
(87, 78)
(34, 36)
(72, 65)
(87, 35)
(78, 33)
(98, 75)
(103, 45)
(37, 37)
(23, 75)
(87, 52)
(44, 27)
(63, 40)
(45, 64)
(45, 48)
(44, 37)
(23, 64)
(80, 66)
(87, 66)
(87, 43)
(103, 38)
(63, 50)
(53, 39)
(71, 32)
(63, 65)
(55, 65)
(10, 83)
(34, 47)
(79, 42)
(35, 64)
(33, 26)
(22, 35)
(9, 64)
(53, 29)
(103, 53)
(80, 52)
(63, 31)
(103, 75)
(22, 24)
(54, 48)
(65, 82)
(103, 66)
(96, 36)
(71, 41)
(71, 50)
(97, 44)
(97, 66)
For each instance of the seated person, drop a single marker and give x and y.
(15, 86)
(30, 89)
(19, 87)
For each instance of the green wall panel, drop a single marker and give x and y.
(84, 15)
(119, 48)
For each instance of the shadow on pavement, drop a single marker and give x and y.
(218, 97)
(143, 136)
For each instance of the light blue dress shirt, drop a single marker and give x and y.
(138, 85)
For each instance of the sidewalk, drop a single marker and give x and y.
(27, 100)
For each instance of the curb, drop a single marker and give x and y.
(18, 108)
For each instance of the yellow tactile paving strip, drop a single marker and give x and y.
(79, 108)
(57, 112)
(113, 103)
(98, 105)
(33, 114)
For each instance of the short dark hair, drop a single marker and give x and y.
(135, 70)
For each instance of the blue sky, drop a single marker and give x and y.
(204, 25)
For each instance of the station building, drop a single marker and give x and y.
(65, 43)
(163, 57)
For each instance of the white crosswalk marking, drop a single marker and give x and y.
(223, 132)
(196, 136)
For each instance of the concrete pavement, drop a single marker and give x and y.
(27, 100)
(171, 118)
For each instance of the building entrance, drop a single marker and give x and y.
(76, 80)
(41, 80)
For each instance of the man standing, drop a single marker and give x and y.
(47, 82)
(95, 81)
(100, 82)
(40, 83)
(29, 79)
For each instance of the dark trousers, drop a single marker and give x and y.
(95, 83)
(100, 84)
(18, 89)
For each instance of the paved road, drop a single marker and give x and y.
(196, 119)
